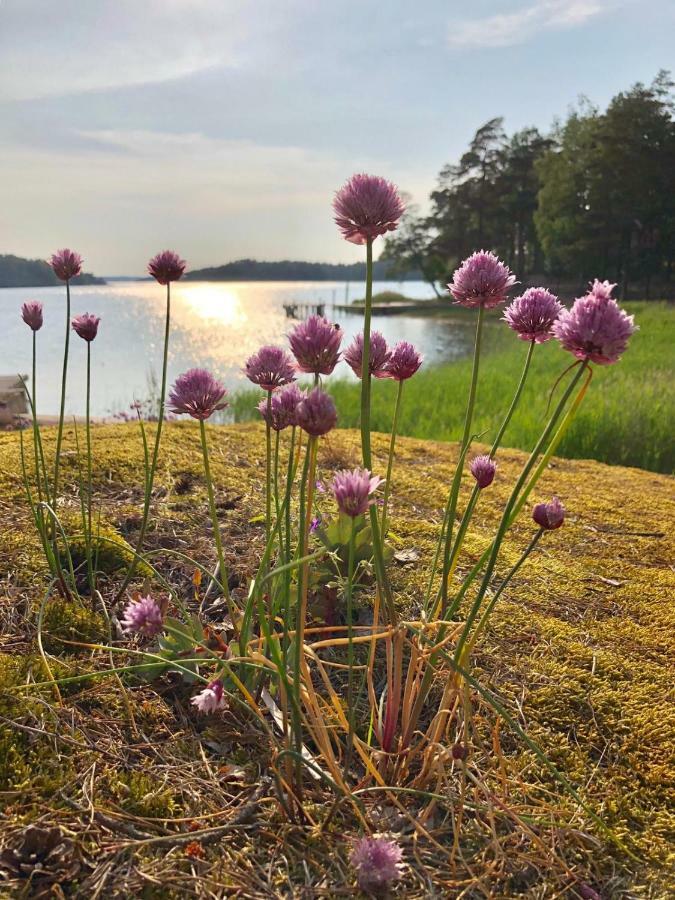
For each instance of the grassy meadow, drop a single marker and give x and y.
(626, 418)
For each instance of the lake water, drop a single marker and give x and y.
(214, 325)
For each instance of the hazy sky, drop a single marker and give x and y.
(222, 128)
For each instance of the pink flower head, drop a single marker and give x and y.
(532, 314)
(352, 491)
(315, 344)
(31, 313)
(143, 615)
(270, 368)
(549, 515)
(481, 280)
(210, 698)
(602, 289)
(166, 266)
(483, 469)
(377, 861)
(282, 407)
(66, 264)
(316, 414)
(403, 362)
(367, 206)
(378, 359)
(197, 393)
(86, 326)
(596, 328)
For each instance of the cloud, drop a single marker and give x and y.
(506, 29)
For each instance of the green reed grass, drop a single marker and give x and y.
(626, 419)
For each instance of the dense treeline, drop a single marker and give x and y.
(595, 196)
(291, 270)
(15, 271)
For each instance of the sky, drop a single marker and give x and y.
(221, 128)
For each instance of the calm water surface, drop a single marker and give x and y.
(215, 325)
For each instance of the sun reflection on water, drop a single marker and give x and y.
(212, 302)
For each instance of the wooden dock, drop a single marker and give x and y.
(304, 310)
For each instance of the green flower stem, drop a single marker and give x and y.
(216, 526)
(380, 571)
(38, 480)
(64, 377)
(268, 468)
(90, 569)
(509, 508)
(350, 637)
(454, 491)
(150, 476)
(390, 463)
(466, 519)
(500, 590)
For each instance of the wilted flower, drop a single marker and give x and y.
(483, 469)
(86, 326)
(282, 407)
(481, 280)
(367, 206)
(315, 344)
(316, 414)
(378, 359)
(197, 393)
(377, 861)
(352, 491)
(596, 328)
(532, 314)
(270, 368)
(166, 266)
(31, 313)
(143, 615)
(549, 515)
(211, 698)
(66, 264)
(403, 362)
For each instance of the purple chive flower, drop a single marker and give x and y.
(596, 328)
(379, 355)
(31, 313)
(367, 206)
(602, 289)
(316, 414)
(282, 407)
(210, 698)
(481, 280)
(532, 314)
(166, 266)
(86, 326)
(352, 491)
(270, 368)
(377, 861)
(66, 264)
(143, 615)
(315, 344)
(315, 523)
(549, 515)
(483, 469)
(197, 393)
(403, 362)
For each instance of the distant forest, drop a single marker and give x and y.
(18, 272)
(594, 197)
(290, 270)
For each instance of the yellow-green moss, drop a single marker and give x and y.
(71, 620)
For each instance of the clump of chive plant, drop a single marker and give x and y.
(393, 729)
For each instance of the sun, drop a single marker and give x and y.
(212, 302)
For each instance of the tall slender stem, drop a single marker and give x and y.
(38, 480)
(90, 569)
(468, 419)
(268, 468)
(365, 360)
(64, 378)
(350, 636)
(214, 519)
(390, 464)
(155, 453)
